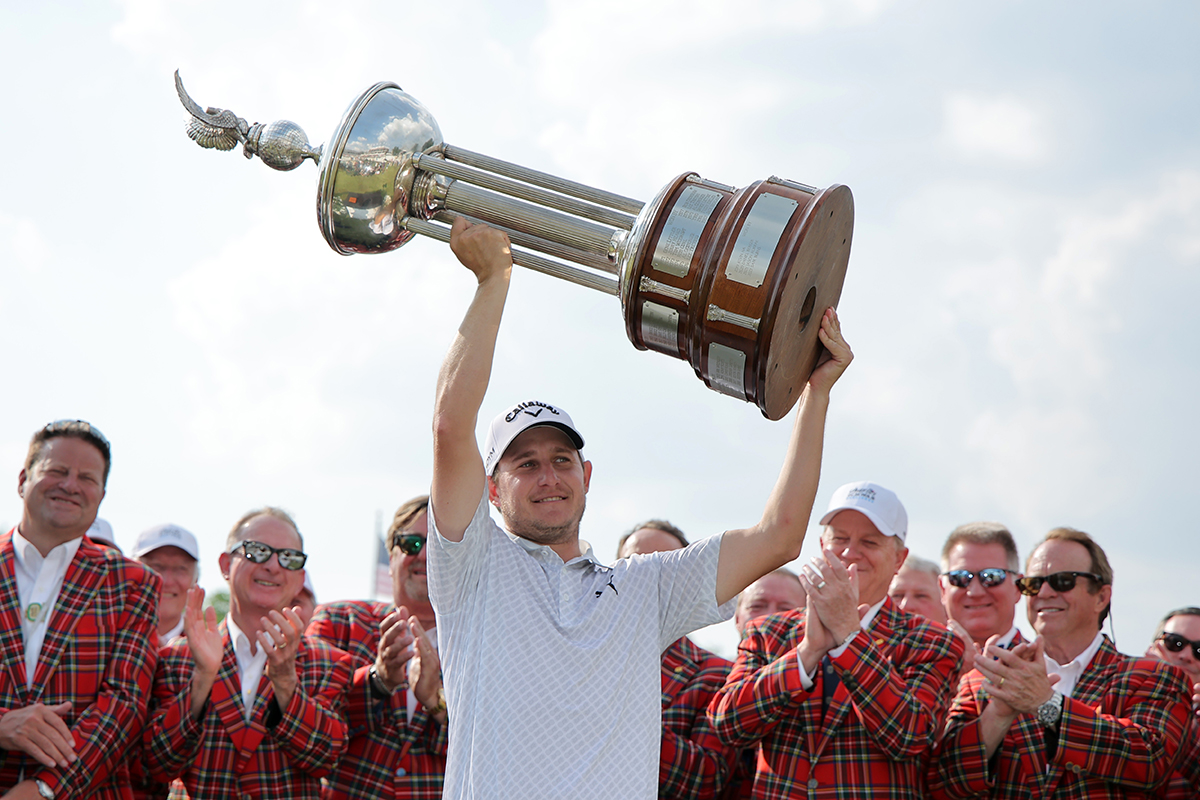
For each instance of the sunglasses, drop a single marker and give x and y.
(988, 578)
(260, 553)
(1059, 582)
(77, 426)
(1175, 643)
(409, 543)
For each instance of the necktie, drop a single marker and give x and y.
(830, 681)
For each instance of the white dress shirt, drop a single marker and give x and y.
(39, 582)
(1070, 672)
(251, 662)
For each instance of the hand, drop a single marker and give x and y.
(817, 640)
(1196, 699)
(395, 649)
(833, 591)
(1017, 677)
(26, 788)
(203, 636)
(970, 648)
(281, 635)
(483, 250)
(424, 668)
(837, 355)
(40, 731)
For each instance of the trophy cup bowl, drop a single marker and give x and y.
(733, 281)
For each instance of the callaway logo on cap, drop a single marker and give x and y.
(509, 424)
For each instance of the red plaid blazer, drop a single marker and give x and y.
(1184, 784)
(98, 653)
(695, 763)
(280, 753)
(1117, 738)
(896, 681)
(386, 755)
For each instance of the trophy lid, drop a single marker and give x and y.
(366, 180)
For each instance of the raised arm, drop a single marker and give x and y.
(458, 479)
(747, 555)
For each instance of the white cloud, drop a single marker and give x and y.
(1004, 127)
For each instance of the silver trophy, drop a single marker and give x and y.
(733, 281)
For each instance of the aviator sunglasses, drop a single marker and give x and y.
(988, 578)
(260, 553)
(1059, 582)
(1175, 643)
(409, 543)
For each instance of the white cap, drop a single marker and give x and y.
(102, 531)
(511, 423)
(163, 536)
(876, 503)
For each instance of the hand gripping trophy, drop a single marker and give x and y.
(733, 281)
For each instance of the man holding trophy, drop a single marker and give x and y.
(552, 659)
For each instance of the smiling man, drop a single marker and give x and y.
(551, 658)
(980, 568)
(1066, 716)
(76, 629)
(397, 745)
(217, 725)
(845, 697)
(915, 589)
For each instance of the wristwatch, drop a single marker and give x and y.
(441, 701)
(1049, 712)
(44, 789)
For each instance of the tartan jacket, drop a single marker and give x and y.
(1118, 737)
(695, 764)
(386, 757)
(98, 654)
(874, 740)
(1184, 783)
(280, 753)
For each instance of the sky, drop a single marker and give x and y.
(1020, 294)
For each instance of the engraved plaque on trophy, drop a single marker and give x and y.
(733, 281)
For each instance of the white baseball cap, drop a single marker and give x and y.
(164, 535)
(876, 503)
(103, 532)
(512, 422)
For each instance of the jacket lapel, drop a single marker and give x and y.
(84, 574)
(12, 642)
(227, 693)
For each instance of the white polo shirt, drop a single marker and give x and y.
(552, 669)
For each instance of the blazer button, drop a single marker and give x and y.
(401, 772)
(812, 783)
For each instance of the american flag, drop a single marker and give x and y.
(383, 575)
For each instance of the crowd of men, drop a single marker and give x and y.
(514, 662)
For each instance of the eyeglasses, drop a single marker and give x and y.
(1175, 643)
(1059, 582)
(409, 543)
(260, 553)
(988, 578)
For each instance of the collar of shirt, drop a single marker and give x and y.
(250, 665)
(1004, 641)
(30, 560)
(1070, 672)
(535, 549)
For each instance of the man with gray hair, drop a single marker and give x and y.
(845, 698)
(915, 589)
(1066, 716)
(217, 724)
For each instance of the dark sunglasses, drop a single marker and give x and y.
(77, 427)
(1059, 582)
(409, 543)
(988, 578)
(1175, 643)
(260, 553)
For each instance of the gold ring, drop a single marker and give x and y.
(1001, 683)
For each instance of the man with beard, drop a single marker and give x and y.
(397, 745)
(553, 660)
